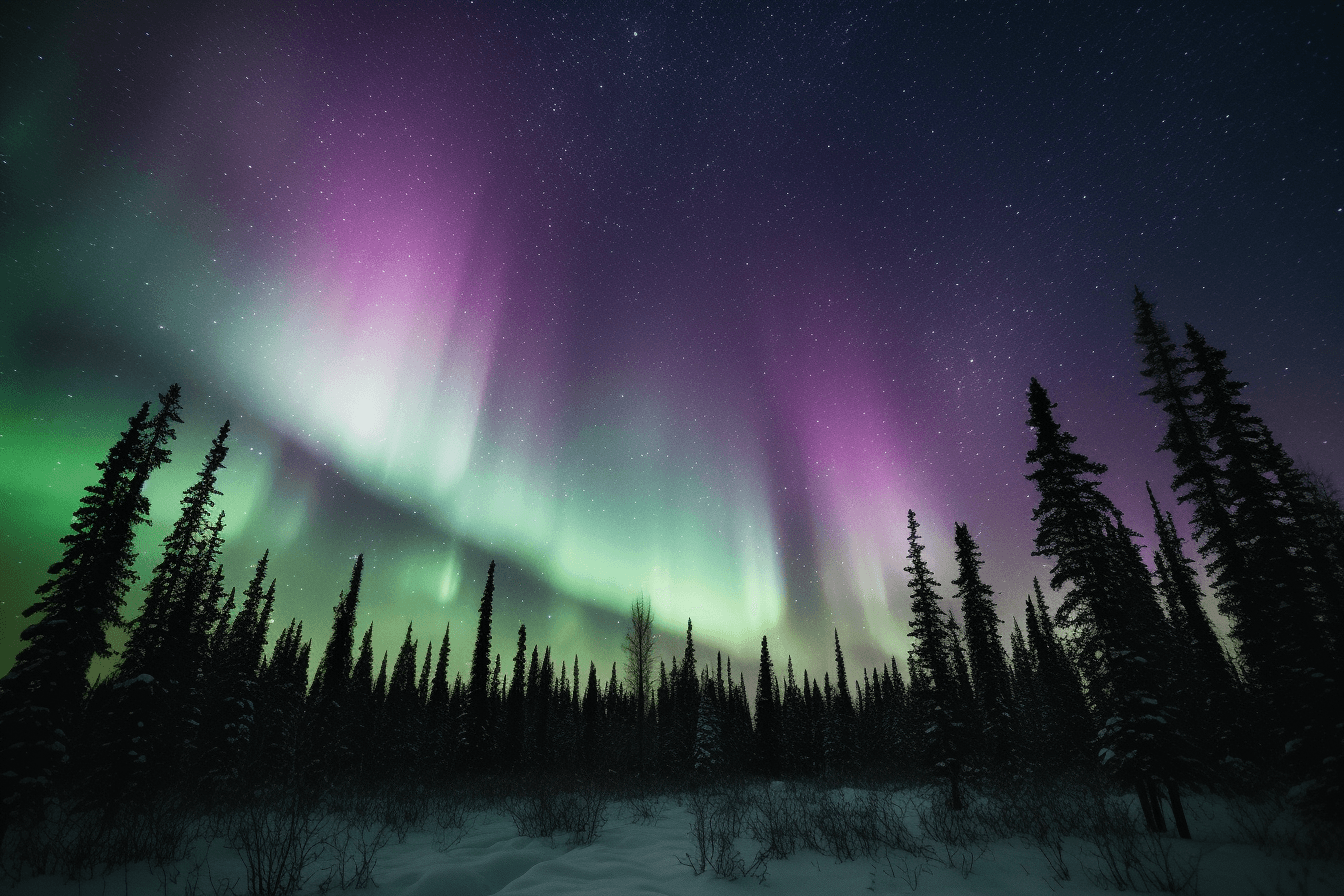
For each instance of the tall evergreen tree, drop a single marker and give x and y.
(328, 696)
(1251, 531)
(1207, 686)
(437, 716)
(1112, 606)
(477, 722)
(333, 670)
(1198, 478)
(1066, 724)
(593, 719)
(793, 726)
(989, 663)
(282, 723)
(515, 705)
(146, 725)
(163, 640)
(230, 720)
(1262, 553)
(838, 728)
(361, 709)
(41, 695)
(767, 715)
(931, 660)
(401, 713)
(708, 753)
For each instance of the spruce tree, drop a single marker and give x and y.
(1207, 684)
(476, 722)
(838, 728)
(145, 728)
(1198, 478)
(231, 720)
(422, 690)
(593, 719)
(989, 663)
(401, 713)
(361, 710)
(767, 715)
(511, 748)
(1112, 607)
(792, 725)
(163, 639)
(333, 671)
(282, 734)
(1254, 533)
(328, 700)
(931, 662)
(1261, 552)
(40, 697)
(708, 755)
(437, 718)
(1066, 724)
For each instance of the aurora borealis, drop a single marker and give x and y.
(693, 300)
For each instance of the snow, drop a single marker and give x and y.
(639, 851)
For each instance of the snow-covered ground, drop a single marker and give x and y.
(649, 846)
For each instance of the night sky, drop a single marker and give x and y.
(694, 300)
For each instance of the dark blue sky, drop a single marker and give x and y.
(647, 297)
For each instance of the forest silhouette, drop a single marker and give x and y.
(1126, 686)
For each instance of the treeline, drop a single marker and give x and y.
(1127, 675)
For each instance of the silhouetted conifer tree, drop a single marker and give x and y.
(230, 720)
(793, 726)
(767, 715)
(511, 749)
(146, 723)
(708, 757)
(363, 711)
(593, 728)
(165, 638)
(401, 712)
(438, 745)
(1206, 682)
(282, 735)
(931, 667)
(327, 699)
(1254, 533)
(333, 671)
(1066, 725)
(1281, 640)
(839, 726)
(989, 663)
(477, 722)
(1121, 629)
(41, 695)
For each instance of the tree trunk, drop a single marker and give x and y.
(1141, 787)
(1159, 817)
(1177, 810)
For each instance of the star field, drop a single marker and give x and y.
(692, 300)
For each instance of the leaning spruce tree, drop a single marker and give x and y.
(145, 729)
(1282, 640)
(1254, 527)
(1113, 609)
(40, 698)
